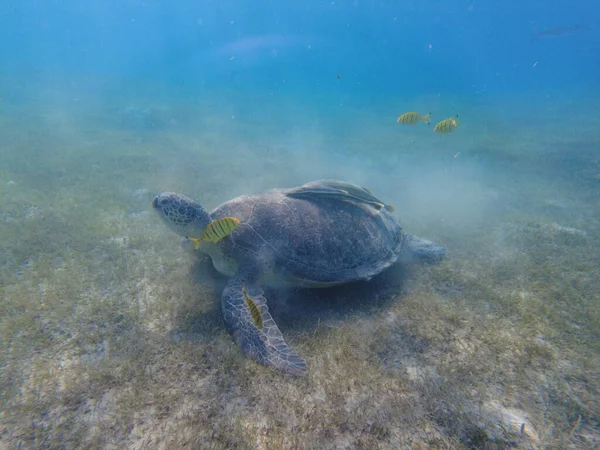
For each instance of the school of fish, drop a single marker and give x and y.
(444, 127)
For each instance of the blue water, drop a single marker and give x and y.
(105, 103)
(378, 48)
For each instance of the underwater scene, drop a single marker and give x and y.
(299, 225)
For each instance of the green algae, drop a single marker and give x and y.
(110, 335)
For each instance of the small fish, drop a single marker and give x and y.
(252, 307)
(378, 206)
(353, 199)
(411, 118)
(447, 125)
(339, 75)
(216, 230)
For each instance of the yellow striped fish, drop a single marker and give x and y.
(447, 125)
(216, 230)
(411, 118)
(252, 307)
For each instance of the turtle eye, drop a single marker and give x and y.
(159, 202)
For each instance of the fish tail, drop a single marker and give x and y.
(426, 118)
(196, 242)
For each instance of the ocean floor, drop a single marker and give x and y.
(111, 334)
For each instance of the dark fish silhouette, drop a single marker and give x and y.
(559, 31)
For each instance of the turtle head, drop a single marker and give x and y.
(181, 214)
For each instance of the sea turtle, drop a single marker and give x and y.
(321, 234)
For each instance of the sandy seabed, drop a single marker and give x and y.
(111, 334)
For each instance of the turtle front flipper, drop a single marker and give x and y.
(247, 317)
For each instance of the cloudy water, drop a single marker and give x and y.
(312, 321)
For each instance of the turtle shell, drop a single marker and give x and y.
(315, 240)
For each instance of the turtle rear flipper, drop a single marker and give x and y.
(247, 317)
(414, 247)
